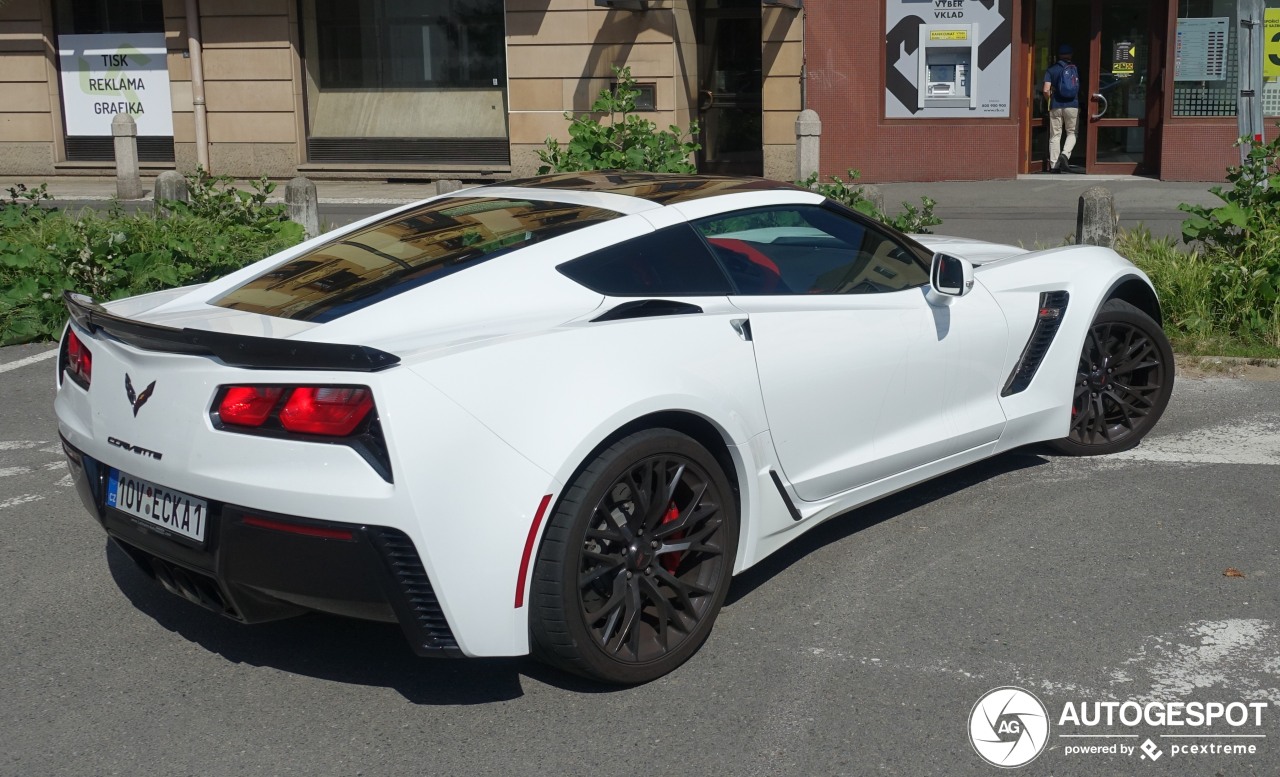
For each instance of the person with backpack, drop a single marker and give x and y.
(1062, 93)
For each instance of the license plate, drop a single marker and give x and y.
(173, 510)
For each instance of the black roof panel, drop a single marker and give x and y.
(660, 188)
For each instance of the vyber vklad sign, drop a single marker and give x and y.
(113, 73)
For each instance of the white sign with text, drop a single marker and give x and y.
(112, 73)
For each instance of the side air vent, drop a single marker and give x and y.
(646, 308)
(1053, 306)
(412, 597)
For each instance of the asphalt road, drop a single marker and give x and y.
(860, 650)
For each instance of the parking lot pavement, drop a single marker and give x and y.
(862, 649)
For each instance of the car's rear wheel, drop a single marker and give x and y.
(1123, 382)
(636, 560)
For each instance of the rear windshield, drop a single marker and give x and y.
(404, 252)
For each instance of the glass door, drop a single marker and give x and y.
(730, 100)
(1119, 50)
(1116, 113)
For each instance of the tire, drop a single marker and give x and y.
(1123, 382)
(636, 560)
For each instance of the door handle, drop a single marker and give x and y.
(1100, 113)
(705, 98)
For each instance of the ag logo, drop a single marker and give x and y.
(1008, 727)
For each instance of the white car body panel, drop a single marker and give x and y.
(506, 385)
(852, 427)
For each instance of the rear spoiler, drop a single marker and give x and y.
(254, 353)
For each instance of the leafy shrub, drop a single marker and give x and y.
(1213, 303)
(912, 220)
(625, 142)
(45, 251)
(1239, 258)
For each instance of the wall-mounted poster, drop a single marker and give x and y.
(1200, 53)
(948, 58)
(1122, 56)
(112, 73)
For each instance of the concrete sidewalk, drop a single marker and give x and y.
(1032, 210)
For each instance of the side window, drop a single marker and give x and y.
(671, 262)
(808, 249)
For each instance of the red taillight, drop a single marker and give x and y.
(335, 411)
(248, 405)
(79, 364)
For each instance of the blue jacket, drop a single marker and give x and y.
(1051, 76)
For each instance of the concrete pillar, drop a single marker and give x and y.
(304, 205)
(128, 175)
(446, 185)
(808, 136)
(1096, 218)
(170, 186)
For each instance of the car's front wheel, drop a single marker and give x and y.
(636, 560)
(1123, 382)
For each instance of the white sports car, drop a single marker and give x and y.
(557, 415)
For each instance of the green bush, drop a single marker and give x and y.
(625, 142)
(1213, 303)
(1236, 270)
(912, 220)
(45, 251)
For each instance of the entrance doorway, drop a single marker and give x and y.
(1119, 49)
(730, 102)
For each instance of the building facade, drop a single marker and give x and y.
(393, 89)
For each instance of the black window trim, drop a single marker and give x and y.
(687, 225)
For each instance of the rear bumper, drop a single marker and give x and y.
(279, 565)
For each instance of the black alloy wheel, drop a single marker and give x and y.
(1123, 382)
(636, 561)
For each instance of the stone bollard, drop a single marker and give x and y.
(170, 185)
(304, 205)
(1096, 218)
(872, 192)
(128, 175)
(808, 137)
(446, 185)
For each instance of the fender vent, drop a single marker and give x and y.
(1053, 306)
(412, 597)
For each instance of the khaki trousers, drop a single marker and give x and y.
(1062, 120)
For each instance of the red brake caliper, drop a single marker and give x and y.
(672, 560)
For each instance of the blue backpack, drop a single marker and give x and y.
(1068, 82)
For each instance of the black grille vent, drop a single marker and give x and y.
(1038, 345)
(413, 599)
(412, 151)
(102, 149)
(193, 586)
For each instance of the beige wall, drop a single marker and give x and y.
(252, 89)
(783, 64)
(560, 54)
(29, 114)
(253, 93)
